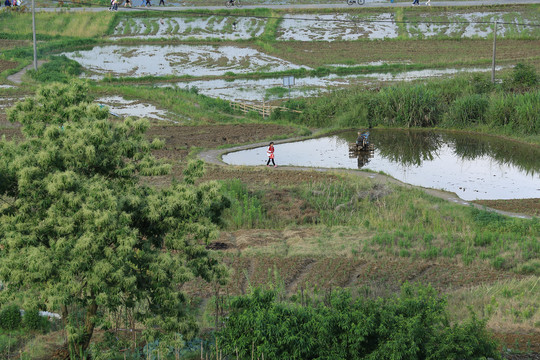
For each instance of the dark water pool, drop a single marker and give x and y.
(472, 166)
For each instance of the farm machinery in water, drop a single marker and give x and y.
(362, 149)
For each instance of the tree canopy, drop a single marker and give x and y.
(80, 230)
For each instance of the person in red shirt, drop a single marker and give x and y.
(270, 153)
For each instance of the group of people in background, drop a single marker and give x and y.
(12, 3)
(128, 3)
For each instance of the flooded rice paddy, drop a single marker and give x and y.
(213, 27)
(257, 90)
(334, 27)
(123, 107)
(154, 60)
(472, 166)
(179, 60)
(343, 26)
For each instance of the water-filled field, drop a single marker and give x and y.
(472, 166)
(196, 60)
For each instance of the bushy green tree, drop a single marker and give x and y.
(80, 232)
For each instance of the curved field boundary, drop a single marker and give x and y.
(214, 156)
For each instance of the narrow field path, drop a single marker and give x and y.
(17, 77)
(213, 156)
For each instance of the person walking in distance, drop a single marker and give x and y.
(270, 153)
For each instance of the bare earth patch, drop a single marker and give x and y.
(523, 206)
(7, 65)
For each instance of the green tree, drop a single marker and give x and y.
(79, 230)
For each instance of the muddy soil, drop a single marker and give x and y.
(7, 65)
(180, 139)
(523, 206)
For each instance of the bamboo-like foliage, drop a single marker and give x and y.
(78, 231)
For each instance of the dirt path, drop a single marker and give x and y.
(214, 156)
(17, 77)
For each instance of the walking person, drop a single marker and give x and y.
(416, 2)
(270, 153)
(161, 2)
(148, 3)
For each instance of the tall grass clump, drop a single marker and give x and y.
(337, 203)
(246, 211)
(517, 112)
(410, 106)
(512, 301)
(338, 108)
(467, 110)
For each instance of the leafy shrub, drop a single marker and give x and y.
(10, 317)
(414, 325)
(33, 321)
(524, 75)
(468, 110)
(527, 116)
(501, 111)
(480, 83)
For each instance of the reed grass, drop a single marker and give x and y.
(462, 102)
(246, 211)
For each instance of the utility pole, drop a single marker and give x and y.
(494, 50)
(34, 33)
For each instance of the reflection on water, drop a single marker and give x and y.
(472, 166)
